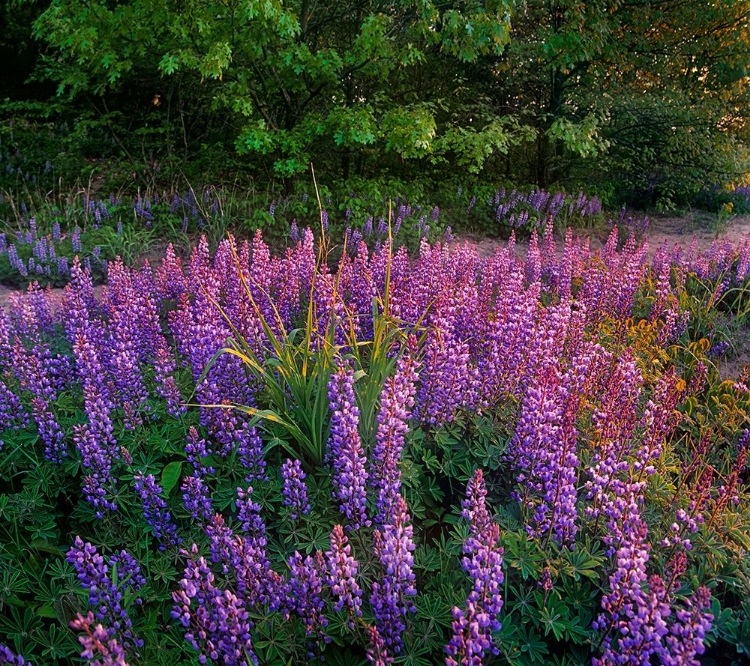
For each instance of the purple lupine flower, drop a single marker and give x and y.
(377, 652)
(14, 417)
(248, 513)
(217, 622)
(472, 630)
(342, 576)
(447, 378)
(99, 648)
(391, 597)
(294, 232)
(95, 398)
(221, 540)
(49, 430)
(397, 225)
(196, 498)
(249, 446)
(62, 266)
(166, 386)
(155, 510)
(97, 460)
(294, 490)
(728, 492)
(305, 590)
(634, 610)
(75, 240)
(128, 572)
(345, 452)
(396, 404)
(8, 658)
(105, 595)
(196, 449)
(719, 349)
(258, 583)
(687, 633)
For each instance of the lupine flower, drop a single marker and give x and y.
(7, 658)
(396, 403)
(377, 653)
(97, 461)
(12, 413)
(342, 576)
(49, 430)
(196, 450)
(687, 633)
(345, 451)
(155, 510)
(472, 630)
(249, 446)
(196, 498)
(218, 625)
(98, 647)
(106, 596)
(164, 368)
(306, 576)
(294, 490)
(391, 597)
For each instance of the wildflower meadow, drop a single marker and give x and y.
(349, 452)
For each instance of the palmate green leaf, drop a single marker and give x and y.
(57, 643)
(579, 562)
(533, 649)
(552, 615)
(521, 553)
(20, 626)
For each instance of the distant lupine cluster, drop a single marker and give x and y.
(45, 259)
(193, 209)
(545, 335)
(34, 255)
(536, 207)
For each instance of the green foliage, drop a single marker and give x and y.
(293, 77)
(642, 100)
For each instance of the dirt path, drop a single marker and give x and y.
(5, 294)
(673, 230)
(682, 230)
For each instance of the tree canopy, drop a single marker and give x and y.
(652, 93)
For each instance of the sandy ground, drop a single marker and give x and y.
(5, 293)
(673, 230)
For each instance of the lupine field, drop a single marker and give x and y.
(350, 453)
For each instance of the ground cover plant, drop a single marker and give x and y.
(278, 458)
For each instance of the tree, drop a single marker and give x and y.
(655, 90)
(294, 80)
